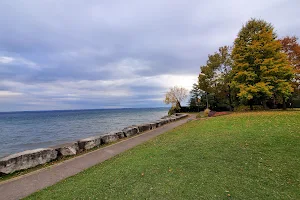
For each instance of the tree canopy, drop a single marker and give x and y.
(292, 49)
(214, 78)
(260, 69)
(175, 96)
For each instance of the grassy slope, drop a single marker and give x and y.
(247, 155)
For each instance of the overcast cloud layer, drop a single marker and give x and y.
(108, 54)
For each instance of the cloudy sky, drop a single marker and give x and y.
(72, 54)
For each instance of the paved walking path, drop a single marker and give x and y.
(25, 185)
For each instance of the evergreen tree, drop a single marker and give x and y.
(260, 69)
(196, 94)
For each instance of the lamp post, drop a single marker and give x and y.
(206, 100)
(198, 102)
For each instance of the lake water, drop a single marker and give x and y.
(21, 131)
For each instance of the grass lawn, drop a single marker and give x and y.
(239, 156)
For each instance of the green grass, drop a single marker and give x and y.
(239, 156)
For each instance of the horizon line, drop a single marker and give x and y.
(16, 111)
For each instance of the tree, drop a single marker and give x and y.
(196, 94)
(175, 96)
(214, 78)
(260, 69)
(292, 49)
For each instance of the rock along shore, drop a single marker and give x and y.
(31, 158)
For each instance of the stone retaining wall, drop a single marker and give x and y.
(26, 159)
(31, 158)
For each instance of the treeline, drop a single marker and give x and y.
(259, 71)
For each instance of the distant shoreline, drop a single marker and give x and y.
(70, 110)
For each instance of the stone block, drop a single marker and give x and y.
(173, 119)
(152, 125)
(68, 149)
(169, 119)
(89, 143)
(130, 131)
(157, 123)
(26, 159)
(164, 121)
(143, 127)
(120, 134)
(109, 138)
(185, 115)
(180, 115)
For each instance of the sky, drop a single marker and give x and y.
(71, 54)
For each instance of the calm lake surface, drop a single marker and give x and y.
(21, 131)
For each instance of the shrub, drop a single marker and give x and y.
(243, 108)
(171, 111)
(220, 114)
(258, 107)
(198, 116)
(206, 112)
(212, 113)
(296, 103)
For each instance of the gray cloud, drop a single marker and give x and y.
(94, 54)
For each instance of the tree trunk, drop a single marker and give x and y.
(291, 102)
(284, 104)
(229, 97)
(264, 103)
(178, 106)
(274, 102)
(251, 104)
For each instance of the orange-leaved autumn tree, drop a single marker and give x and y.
(260, 70)
(291, 47)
